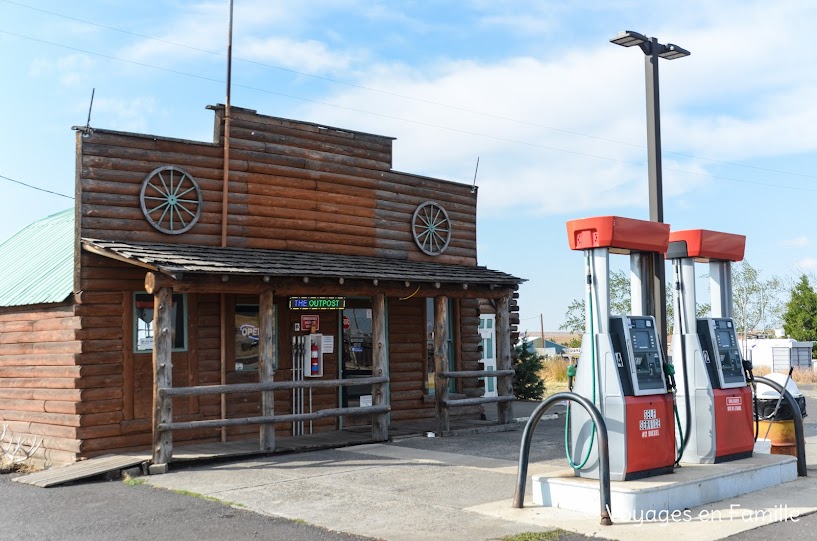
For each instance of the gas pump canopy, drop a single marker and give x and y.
(705, 245)
(620, 235)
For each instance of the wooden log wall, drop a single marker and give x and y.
(407, 350)
(293, 185)
(48, 390)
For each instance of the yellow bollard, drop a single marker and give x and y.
(781, 435)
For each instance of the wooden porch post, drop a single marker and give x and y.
(266, 359)
(503, 357)
(441, 362)
(162, 375)
(380, 367)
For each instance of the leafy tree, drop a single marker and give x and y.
(756, 301)
(800, 318)
(619, 304)
(527, 383)
(574, 317)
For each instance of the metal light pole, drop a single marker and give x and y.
(656, 302)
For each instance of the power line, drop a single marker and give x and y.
(35, 187)
(319, 102)
(392, 117)
(406, 97)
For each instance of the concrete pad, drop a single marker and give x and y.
(703, 523)
(386, 497)
(689, 486)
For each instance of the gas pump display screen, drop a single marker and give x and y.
(646, 357)
(725, 345)
(641, 340)
(724, 339)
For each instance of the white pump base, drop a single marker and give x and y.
(689, 486)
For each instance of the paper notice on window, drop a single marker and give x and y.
(328, 345)
(365, 401)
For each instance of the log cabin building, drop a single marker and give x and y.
(305, 288)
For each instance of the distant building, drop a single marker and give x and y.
(548, 348)
(779, 353)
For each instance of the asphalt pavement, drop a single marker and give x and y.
(114, 511)
(412, 489)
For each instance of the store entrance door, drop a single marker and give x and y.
(356, 361)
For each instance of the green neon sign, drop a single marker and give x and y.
(317, 303)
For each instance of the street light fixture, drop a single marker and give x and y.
(656, 296)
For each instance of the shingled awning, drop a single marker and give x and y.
(181, 259)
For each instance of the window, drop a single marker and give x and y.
(143, 322)
(247, 322)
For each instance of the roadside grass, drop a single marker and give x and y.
(138, 481)
(133, 481)
(208, 498)
(800, 375)
(804, 375)
(7, 466)
(554, 374)
(551, 535)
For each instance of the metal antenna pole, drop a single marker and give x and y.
(88, 124)
(225, 190)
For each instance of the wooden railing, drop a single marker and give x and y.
(163, 446)
(445, 402)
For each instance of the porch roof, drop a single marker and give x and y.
(180, 259)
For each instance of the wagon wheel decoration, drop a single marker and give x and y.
(171, 200)
(431, 228)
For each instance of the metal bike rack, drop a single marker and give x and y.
(603, 450)
(799, 434)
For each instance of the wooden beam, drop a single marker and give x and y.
(203, 390)
(477, 401)
(503, 358)
(479, 374)
(380, 367)
(441, 362)
(266, 360)
(286, 286)
(222, 311)
(288, 418)
(162, 374)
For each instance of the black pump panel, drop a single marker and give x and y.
(639, 357)
(721, 352)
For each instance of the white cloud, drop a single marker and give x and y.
(807, 264)
(797, 242)
(308, 56)
(69, 70)
(523, 164)
(202, 30)
(124, 114)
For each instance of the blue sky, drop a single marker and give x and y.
(554, 112)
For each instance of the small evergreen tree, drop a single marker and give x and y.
(800, 319)
(527, 383)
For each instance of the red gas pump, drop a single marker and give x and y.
(711, 375)
(622, 363)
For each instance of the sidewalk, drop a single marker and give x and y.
(457, 488)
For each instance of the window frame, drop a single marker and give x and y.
(135, 325)
(275, 335)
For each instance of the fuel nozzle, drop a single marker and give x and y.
(571, 375)
(669, 373)
(747, 367)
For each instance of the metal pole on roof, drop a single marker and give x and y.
(224, 207)
(225, 189)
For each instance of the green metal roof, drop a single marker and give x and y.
(38, 262)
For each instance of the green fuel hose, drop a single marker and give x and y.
(593, 372)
